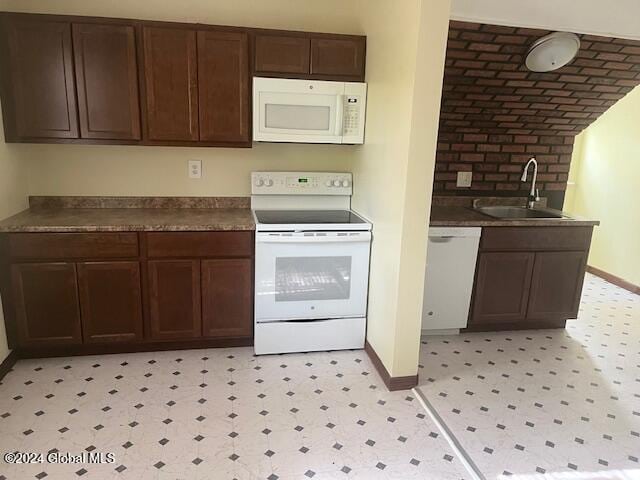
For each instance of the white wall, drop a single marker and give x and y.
(620, 18)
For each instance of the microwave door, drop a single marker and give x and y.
(299, 117)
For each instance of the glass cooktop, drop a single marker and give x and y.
(288, 217)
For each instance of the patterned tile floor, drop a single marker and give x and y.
(539, 403)
(218, 414)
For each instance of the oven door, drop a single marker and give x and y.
(311, 275)
(286, 110)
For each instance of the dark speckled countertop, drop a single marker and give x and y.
(458, 212)
(119, 214)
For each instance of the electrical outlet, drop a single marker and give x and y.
(464, 179)
(195, 168)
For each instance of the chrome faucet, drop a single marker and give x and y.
(533, 194)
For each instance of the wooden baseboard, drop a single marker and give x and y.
(8, 363)
(392, 383)
(619, 282)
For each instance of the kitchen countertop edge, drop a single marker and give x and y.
(457, 216)
(69, 220)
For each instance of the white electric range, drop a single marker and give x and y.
(311, 263)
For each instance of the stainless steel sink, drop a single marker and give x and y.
(509, 212)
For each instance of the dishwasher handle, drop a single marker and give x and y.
(442, 239)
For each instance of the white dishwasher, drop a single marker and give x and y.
(451, 265)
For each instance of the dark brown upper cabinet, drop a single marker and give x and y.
(310, 56)
(223, 86)
(338, 56)
(38, 98)
(107, 79)
(73, 79)
(281, 54)
(171, 83)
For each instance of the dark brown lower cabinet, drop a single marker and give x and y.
(529, 277)
(110, 301)
(92, 293)
(46, 304)
(556, 284)
(502, 287)
(174, 299)
(226, 298)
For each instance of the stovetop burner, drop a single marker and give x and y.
(288, 217)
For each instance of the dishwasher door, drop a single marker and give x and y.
(451, 265)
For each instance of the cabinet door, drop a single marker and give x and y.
(227, 298)
(502, 287)
(40, 71)
(46, 303)
(110, 301)
(107, 79)
(171, 81)
(342, 57)
(174, 299)
(281, 54)
(556, 285)
(223, 86)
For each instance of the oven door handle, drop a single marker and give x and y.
(360, 238)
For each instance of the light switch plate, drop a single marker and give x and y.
(464, 179)
(195, 168)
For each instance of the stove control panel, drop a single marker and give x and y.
(301, 183)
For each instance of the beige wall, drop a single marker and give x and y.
(13, 198)
(605, 169)
(393, 171)
(118, 170)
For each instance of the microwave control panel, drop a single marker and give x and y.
(301, 183)
(352, 115)
(354, 111)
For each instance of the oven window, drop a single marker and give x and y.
(312, 278)
(297, 117)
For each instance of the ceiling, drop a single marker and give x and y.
(611, 19)
(487, 88)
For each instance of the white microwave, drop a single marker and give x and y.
(308, 111)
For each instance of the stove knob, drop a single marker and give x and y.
(345, 183)
(268, 182)
(336, 183)
(259, 182)
(328, 183)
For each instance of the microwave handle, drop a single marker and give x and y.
(339, 115)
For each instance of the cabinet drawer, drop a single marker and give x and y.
(536, 238)
(200, 244)
(69, 246)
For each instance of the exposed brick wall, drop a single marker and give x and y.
(496, 114)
